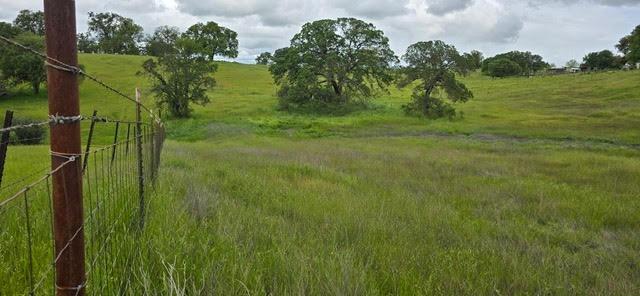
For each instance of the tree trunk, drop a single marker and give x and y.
(427, 96)
(336, 88)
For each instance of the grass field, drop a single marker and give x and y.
(535, 191)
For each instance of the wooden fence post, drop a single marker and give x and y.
(63, 95)
(8, 120)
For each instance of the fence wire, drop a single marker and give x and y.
(112, 216)
(114, 203)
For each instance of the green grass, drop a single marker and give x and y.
(534, 191)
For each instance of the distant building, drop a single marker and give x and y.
(574, 70)
(637, 65)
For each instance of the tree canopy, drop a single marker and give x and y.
(114, 34)
(473, 59)
(333, 62)
(503, 68)
(572, 64)
(30, 21)
(162, 42)
(528, 62)
(264, 58)
(18, 66)
(630, 46)
(213, 40)
(434, 64)
(8, 30)
(180, 77)
(602, 60)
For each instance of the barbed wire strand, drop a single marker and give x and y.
(59, 65)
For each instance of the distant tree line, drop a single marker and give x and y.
(16, 66)
(330, 65)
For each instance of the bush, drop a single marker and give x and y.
(305, 100)
(503, 68)
(27, 136)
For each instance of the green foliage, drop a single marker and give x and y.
(602, 60)
(114, 34)
(214, 40)
(333, 62)
(434, 64)
(630, 46)
(180, 78)
(27, 136)
(529, 63)
(264, 58)
(18, 66)
(8, 30)
(473, 60)
(86, 44)
(572, 64)
(30, 21)
(503, 68)
(162, 42)
(533, 192)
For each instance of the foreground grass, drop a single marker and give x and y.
(398, 216)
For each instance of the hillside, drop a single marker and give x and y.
(603, 107)
(534, 191)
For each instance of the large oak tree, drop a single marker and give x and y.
(181, 74)
(434, 65)
(214, 40)
(333, 62)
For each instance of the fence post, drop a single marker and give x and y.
(8, 120)
(115, 142)
(63, 93)
(86, 152)
(152, 145)
(140, 159)
(128, 139)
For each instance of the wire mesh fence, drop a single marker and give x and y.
(113, 211)
(114, 173)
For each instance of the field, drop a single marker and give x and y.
(535, 190)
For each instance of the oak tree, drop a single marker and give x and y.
(434, 65)
(333, 62)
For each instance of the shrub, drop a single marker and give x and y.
(503, 68)
(27, 136)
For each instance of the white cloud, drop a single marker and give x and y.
(443, 7)
(557, 29)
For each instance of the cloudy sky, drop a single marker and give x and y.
(559, 30)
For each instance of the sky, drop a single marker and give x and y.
(559, 30)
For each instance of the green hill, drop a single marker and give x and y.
(534, 191)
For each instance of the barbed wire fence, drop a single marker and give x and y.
(118, 169)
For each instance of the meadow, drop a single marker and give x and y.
(533, 191)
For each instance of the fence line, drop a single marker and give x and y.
(118, 170)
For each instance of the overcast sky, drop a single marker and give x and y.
(559, 30)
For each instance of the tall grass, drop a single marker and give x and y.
(534, 191)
